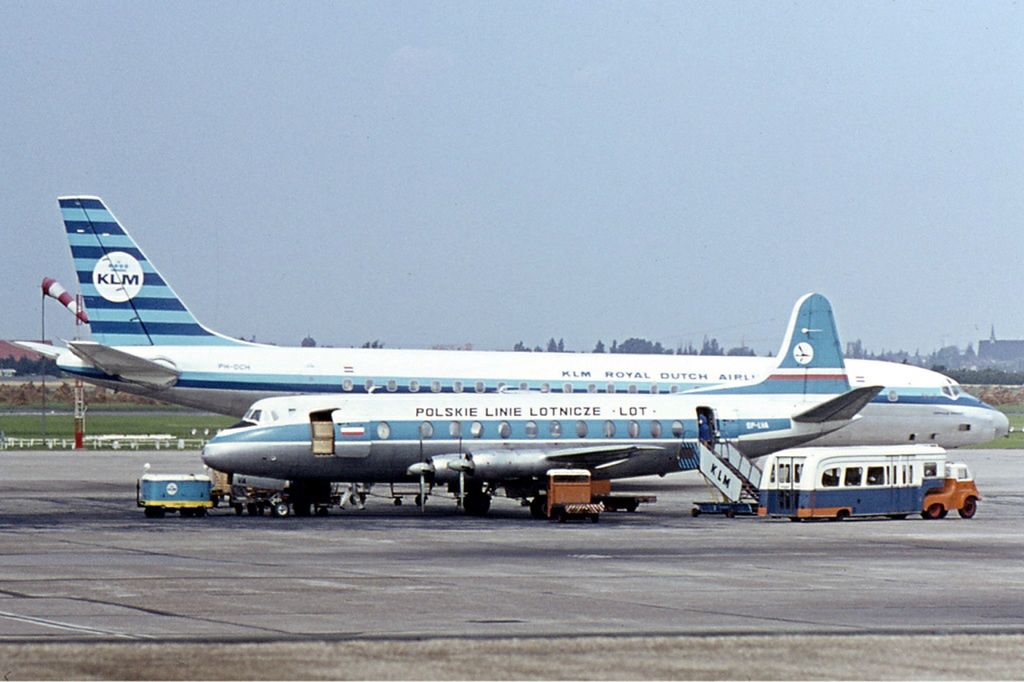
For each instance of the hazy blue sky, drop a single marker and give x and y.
(484, 172)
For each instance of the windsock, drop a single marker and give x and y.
(52, 288)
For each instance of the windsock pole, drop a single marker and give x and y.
(53, 289)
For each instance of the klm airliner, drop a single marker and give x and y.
(146, 341)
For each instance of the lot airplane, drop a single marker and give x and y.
(479, 444)
(145, 341)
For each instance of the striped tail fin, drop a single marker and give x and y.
(128, 302)
(810, 360)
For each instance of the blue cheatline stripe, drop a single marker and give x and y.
(127, 314)
(153, 329)
(149, 292)
(97, 252)
(98, 303)
(152, 279)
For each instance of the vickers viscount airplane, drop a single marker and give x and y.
(145, 341)
(480, 444)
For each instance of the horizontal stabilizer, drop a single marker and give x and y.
(842, 407)
(44, 349)
(128, 367)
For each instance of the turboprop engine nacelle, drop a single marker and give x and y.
(491, 466)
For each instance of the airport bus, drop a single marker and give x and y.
(893, 481)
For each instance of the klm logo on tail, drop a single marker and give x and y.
(128, 301)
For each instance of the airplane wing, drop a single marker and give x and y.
(842, 407)
(598, 457)
(125, 365)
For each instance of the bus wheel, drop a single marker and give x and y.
(934, 511)
(539, 507)
(695, 512)
(969, 509)
(730, 513)
(842, 514)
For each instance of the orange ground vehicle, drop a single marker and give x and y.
(569, 496)
(957, 492)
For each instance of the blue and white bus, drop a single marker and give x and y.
(893, 481)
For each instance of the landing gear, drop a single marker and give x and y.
(280, 509)
(539, 507)
(476, 503)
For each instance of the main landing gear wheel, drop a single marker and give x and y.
(969, 509)
(539, 507)
(280, 509)
(476, 504)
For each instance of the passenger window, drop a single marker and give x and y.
(610, 388)
(853, 476)
(545, 388)
(931, 469)
(581, 429)
(502, 386)
(383, 430)
(566, 388)
(455, 429)
(677, 429)
(555, 428)
(531, 429)
(876, 475)
(655, 429)
(631, 389)
(523, 386)
(369, 385)
(476, 429)
(457, 386)
(591, 388)
(346, 385)
(634, 429)
(479, 387)
(654, 388)
(426, 430)
(392, 385)
(504, 429)
(830, 478)
(435, 386)
(609, 429)
(414, 386)
(674, 389)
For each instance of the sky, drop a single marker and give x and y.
(449, 173)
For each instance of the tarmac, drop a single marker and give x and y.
(91, 589)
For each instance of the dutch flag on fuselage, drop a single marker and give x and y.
(128, 302)
(810, 360)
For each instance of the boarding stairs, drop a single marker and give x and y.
(728, 470)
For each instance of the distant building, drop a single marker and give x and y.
(1008, 353)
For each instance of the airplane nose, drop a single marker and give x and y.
(215, 457)
(1001, 423)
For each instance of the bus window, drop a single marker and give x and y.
(853, 476)
(783, 473)
(931, 469)
(771, 475)
(797, 470)
(830, 478)
(876, 475)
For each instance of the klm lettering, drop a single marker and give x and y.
(117, 279)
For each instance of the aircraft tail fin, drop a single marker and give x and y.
(810, 360)
(128, 302)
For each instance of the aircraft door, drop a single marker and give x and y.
(321, 428)
(707, 426)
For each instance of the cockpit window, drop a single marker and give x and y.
(255, 415)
